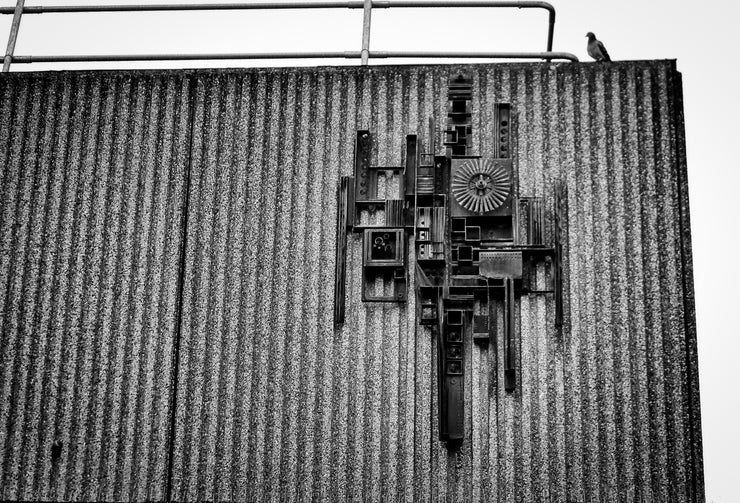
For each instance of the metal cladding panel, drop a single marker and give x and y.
(275, 404)
(91, 187)
(270, 401)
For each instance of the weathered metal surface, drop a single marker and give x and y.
(272, 402)
(91, 187)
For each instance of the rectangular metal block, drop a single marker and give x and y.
(502, 130)
(455, 317)
(481, 328)
(458, 224)
(472, 233)
(394, 213)
(365, 179)
(501, 264)
(453, 428)
(454, 351)
(412, 155)
(428, 314)
(454, 367)
(454, 334)
(384, 248)
(465, 254)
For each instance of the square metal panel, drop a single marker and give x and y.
(481, 186)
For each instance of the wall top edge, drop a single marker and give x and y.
(564, 67)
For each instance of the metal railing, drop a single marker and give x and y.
(364, 54)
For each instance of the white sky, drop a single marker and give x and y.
(701, 36)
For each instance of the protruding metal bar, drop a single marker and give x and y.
(366, 15)
(412, 159)
(366, 180)
(17, 14)
(560, 211)
(452, 405)
(340, 273)
(509, 337)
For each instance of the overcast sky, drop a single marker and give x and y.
(701, 36)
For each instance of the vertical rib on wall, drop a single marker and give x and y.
(91, 190)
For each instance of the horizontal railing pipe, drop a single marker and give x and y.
(351, 4)
(80, 58)
(64, 9)
(356, 4)
(364, 55)
(548, 55)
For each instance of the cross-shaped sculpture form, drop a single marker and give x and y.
(477, 243)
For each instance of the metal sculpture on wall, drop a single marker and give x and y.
(477, 242)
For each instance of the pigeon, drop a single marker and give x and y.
(596, 49)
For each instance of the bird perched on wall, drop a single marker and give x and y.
(596, 49)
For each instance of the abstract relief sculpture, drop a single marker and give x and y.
(477, 242)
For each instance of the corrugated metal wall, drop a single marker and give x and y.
(92, 200)
(270, 401)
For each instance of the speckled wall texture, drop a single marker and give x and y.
(166, 292)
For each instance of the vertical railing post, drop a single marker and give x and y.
(13, 35)
(365, 55)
